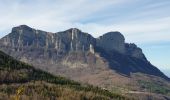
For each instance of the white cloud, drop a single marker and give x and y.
(57, 16)
(51, 15)
(54, 15)
(141, 32)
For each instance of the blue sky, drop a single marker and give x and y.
(144, 22)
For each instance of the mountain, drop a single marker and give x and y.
(107, 61)
(22, 81)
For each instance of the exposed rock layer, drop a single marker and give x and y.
(76, 54)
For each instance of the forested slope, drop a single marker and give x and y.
(20, 80)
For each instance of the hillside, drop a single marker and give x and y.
(107, 61)
(42, 49)
(37, 84)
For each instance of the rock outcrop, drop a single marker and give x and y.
(69, 40)
(112, 41)
(134, 51)
(75, 40)
(76, 54)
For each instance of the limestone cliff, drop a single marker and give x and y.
(112, 41)
(76, 54)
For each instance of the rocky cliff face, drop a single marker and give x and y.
(115, 41)
(66, 41)
(69, 40)
(112, 41)
(75, 40)
(134, 51)
(76, 54)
